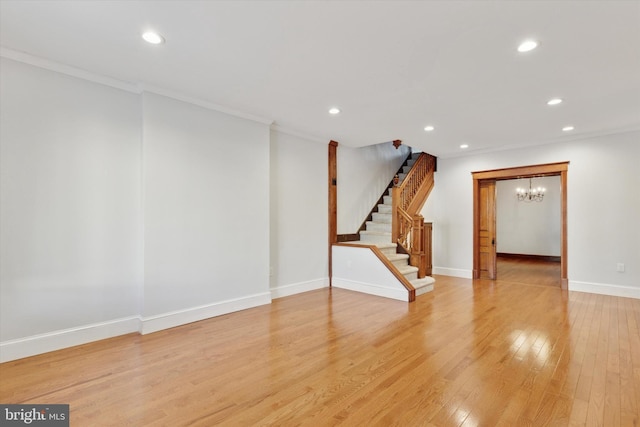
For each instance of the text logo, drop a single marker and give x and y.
(34, 415)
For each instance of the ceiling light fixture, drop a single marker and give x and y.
(464, 146)
(153, 37)
(554, 101)
(531, 194)
(527, 45)
(334, 111)
(429, 128)
(568, 128)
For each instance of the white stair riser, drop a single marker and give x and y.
(424, 289)
(384, 209)
(375, 238)
(403, 262)
(411, 276)
(382, 217)
(388, 251)
(379, 226)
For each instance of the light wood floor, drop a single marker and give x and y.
(529, 271)
(468, 353)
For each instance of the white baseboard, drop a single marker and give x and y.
(182, 317)
(605, 289)
(57, 340)
(367, 288)
(51, 341)
(454, 272)
(297, 288)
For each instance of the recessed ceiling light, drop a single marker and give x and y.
(527, 45)
(153, 37)
(334, 110)
(554, 101)
(464, 146)
(429, 128)
(568, 128)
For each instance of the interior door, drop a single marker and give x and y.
(487, 229)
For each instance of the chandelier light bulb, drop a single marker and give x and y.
(530, 194)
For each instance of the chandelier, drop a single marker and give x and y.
(531, 194)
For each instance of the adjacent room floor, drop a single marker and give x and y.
(530, 271)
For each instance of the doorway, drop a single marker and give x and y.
(484, 215)
(528, 231)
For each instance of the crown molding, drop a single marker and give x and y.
(294, 132)
(57, 67)
(575, 137)
(138, 89)
(202, 103)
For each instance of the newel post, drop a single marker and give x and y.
(417, 245)
(428, 248)
(395, 224)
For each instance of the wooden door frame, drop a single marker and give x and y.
(548, 169)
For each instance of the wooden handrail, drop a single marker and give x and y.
(414, 193)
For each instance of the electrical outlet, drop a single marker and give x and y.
(620, 267)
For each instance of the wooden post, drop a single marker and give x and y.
(428, 248)
(395, 224)
(417, 240)
(333, 201)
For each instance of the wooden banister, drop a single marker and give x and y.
(407, 226)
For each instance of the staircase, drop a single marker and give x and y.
(378, 232)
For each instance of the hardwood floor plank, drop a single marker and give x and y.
(470, 353)
(528, 271)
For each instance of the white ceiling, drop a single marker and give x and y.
(392, 67)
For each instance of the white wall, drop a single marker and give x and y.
(363, 175)
(531, 228)
(299, 221)
(122, 212)
(206, 206)
(603, 209)
(70, 213)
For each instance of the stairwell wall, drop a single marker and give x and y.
(363, 175)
